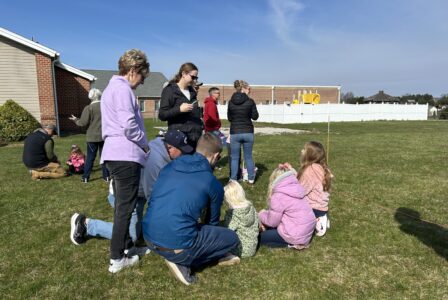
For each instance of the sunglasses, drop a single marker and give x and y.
(194, 77)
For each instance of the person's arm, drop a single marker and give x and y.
(49, 150)
(273, 216)
(254, 115)
(168, 109)
(84, 121)
(125, 107)
(229, 113)
(216, 195)
(230, 221)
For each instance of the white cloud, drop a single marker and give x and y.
(283, 17)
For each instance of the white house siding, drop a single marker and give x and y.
(18, 76)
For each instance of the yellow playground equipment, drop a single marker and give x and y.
(310, 98)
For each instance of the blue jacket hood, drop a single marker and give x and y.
(192, 164)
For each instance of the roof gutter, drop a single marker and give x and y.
(56, 110)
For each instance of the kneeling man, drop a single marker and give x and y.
(171, 229)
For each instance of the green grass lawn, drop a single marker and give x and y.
(388, 235)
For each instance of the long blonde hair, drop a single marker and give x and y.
(314, 153)
(279, 171)
(234, 195)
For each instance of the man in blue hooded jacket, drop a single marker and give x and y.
(170, 227)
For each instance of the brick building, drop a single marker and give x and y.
(147, 94)
(275, 94)
(34, 76)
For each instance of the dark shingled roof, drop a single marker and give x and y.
(151, 88)
(381, 97)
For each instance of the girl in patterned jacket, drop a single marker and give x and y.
(315, 177)
(242, 218)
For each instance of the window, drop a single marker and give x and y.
(142, 105)
(275, 101)
(267, 102)
(224, 102)
(157, 105)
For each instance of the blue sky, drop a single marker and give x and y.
(399, 46)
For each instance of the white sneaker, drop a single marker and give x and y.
(116, 265)
(229, 260)
(321, 225)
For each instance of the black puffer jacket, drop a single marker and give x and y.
(189, 122)
(240, 113)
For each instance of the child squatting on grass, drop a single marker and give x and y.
(289, 220)
(76, 160)
(315, 177)
(242, 218)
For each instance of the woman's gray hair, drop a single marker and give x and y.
(95, 94)
(133, 59)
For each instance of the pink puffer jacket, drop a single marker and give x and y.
(290, 211)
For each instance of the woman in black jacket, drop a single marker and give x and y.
(178, 104)
(240, 113)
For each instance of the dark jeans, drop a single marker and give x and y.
(126, 179)
(319, 213)
(271, 238)
(211, 244)
(92, 149)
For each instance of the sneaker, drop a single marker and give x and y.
(229, 260)
(116, 265)
(140, 251)
(78, 229)
(84, 180)
(321, 225)
(182, 273)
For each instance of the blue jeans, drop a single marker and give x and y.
(211, 244)
(92, 149)
(319, 213)
(103, 229)
(271, 238)
(247, 141)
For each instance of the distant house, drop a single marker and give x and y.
(147, 94)
(381, 97)
(34, 76)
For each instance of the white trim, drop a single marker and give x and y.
(26, 42)
(75, 71)
(275, 85)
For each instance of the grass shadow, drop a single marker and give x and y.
(430, 234)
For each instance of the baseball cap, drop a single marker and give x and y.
(178, 139)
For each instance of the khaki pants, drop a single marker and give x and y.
(52, 170)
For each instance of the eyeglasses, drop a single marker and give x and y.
(194, 77)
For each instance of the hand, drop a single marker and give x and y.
(73, 118)
(262, 227)
(186, 107)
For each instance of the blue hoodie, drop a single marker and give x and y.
(184, 187)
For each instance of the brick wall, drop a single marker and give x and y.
(150, 106)
(281, 94)
(72, 94)
(45, 88)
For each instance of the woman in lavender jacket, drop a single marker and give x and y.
(125, 149)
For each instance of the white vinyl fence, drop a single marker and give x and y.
(308, 113)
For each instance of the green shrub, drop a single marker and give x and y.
(444, 114)
(15, 122)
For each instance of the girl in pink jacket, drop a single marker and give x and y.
(315, 177)
(76, 160)
(289, 221)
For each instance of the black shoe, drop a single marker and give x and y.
(78, 229)
(182, 273)
(84, 180)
